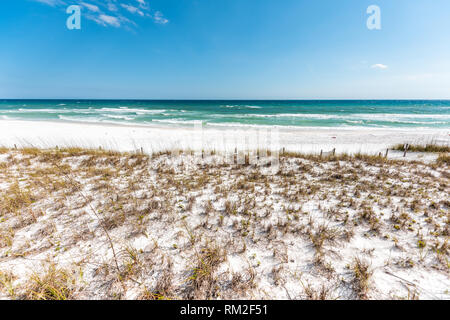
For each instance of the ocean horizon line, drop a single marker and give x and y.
(156, 99)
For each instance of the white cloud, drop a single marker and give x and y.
(132, 9)
(379, 66)
(112, 12)
(110, 20)
(159, 18)
(142, 3)
(51, 2)
(91, 7)
(112, 7)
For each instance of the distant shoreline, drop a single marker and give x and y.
(131, 99)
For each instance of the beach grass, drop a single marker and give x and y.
(99, 224)
(429, 147)
(443, 158)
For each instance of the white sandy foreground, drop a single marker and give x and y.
(44, 134)
(80, 224)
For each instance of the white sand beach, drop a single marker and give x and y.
(45, 134)
(102, 225)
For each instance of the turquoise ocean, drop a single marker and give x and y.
(229, 113)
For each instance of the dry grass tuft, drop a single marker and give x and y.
(429, 147)
(362, 274)
(6, 283)
(443, 158)
(203, 281)
(323, 293)
(54, 284)
(15, 198)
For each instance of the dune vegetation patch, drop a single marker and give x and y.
(98, 224)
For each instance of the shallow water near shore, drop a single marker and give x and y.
(232, 113)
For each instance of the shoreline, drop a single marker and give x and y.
(219, 125)
(126, 138)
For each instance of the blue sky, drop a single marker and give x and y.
(225, 49)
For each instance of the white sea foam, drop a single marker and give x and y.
(121, 117)
(51, 111)
(80, 119)
(242, 106)
(136, 110)
(351, 116)
(39, 111)
(175, 121)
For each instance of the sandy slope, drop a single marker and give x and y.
(182, 227)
